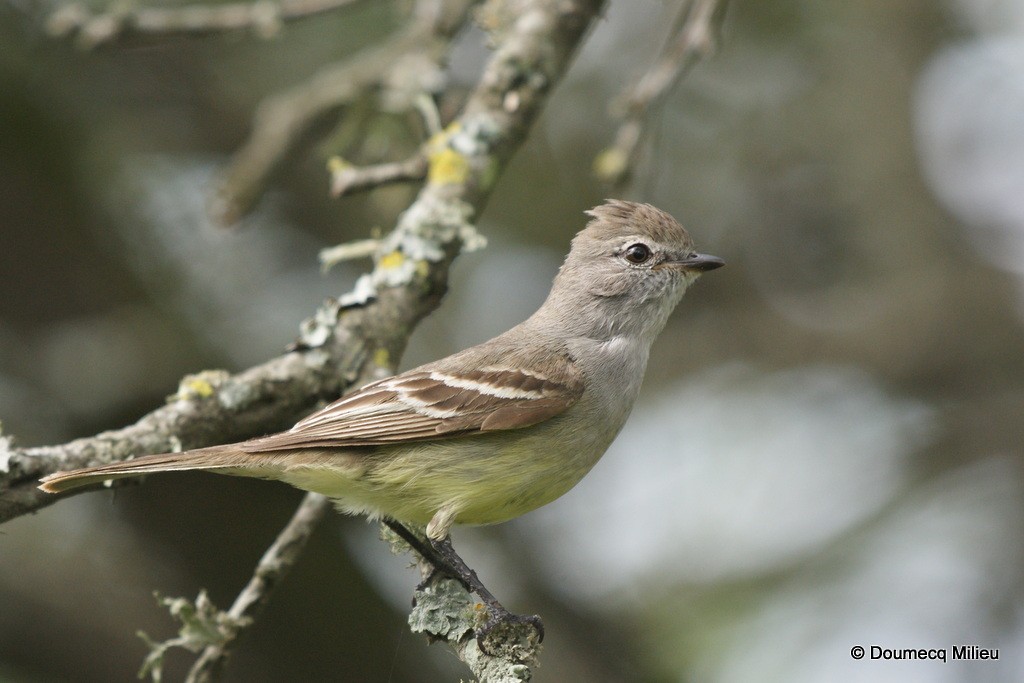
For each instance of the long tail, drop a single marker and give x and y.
(228, 457)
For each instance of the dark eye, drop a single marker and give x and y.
(637, 253)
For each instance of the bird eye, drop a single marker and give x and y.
(637, 253)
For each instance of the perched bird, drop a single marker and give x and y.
(496, 430)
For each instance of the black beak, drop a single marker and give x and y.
(699, 262)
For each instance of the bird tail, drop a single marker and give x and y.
(214, 458)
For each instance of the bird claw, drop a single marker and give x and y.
(499, 616)
(446, 562)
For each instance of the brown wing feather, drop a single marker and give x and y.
(432, 402)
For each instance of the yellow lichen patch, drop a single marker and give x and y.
(448, 167)
(201, 385)
(336, 164)
(392, 259)
(381, 358)
(610, 165)
(198, 387)
(440, 140)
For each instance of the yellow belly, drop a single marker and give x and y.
(481, 479)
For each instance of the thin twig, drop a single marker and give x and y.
(692, 40)
(272, 568)
(349, 251)
(347, 178)
(262, 17)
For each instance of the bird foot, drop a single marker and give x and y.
(446, 562)
(498, 616)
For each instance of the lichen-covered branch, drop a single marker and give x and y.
(272, 568)
(263, 17)
(201, 624)
(692, 39)
(335, 349)
(444, 610)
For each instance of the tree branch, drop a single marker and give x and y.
(272, 568)
(692, 40)
(337, 346)
(347, 178)
(262, 17)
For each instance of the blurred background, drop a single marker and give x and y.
(829, 447)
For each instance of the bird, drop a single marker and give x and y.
(491, 432)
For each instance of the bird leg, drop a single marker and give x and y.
(496, 612)
(441, 554)
(427, 552)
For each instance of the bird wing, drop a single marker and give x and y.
(431, 403)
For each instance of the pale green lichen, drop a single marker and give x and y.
(428, 225)
(236, 395)
(443, 610)
(5, 452)
(420, 238)
(202, 625)
(476, 135)
(363, 291)
(461, 154)
(315, 331)
(491, 669)
(512, 650)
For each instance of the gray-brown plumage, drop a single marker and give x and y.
(496, 430)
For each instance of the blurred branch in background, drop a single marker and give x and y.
(272, 568)
(692, 38)
(412, 57)
(347, 178)
(262, 17)
(363, 337)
